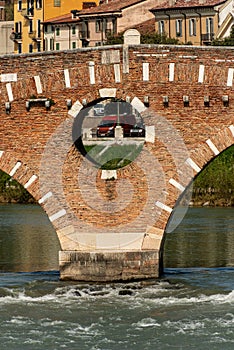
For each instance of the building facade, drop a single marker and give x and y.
(196, 22)
(6, 45)
(28, 35)
(112, 18)
(62, 33)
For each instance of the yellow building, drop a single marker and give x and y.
(27, 33)
(196, 22)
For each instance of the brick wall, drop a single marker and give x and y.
(130, 212)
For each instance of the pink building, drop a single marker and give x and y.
(112, 17)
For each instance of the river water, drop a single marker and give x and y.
(190, 307)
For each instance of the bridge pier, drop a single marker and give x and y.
(107, 266)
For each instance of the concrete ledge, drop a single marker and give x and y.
(108, 265)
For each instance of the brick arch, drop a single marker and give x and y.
(201, 156)
(189, 95)
(199, 159)
(14, 165)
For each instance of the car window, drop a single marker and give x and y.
(107, 123)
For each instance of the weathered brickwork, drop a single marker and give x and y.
(185, 96)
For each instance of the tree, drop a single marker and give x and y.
(12, 191)
(228, 41)
(9, 10)
(146, 38)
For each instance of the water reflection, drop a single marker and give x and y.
(205, 238)
(28, 241)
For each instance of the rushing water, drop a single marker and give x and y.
(190, 307)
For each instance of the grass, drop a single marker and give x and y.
(113, 156)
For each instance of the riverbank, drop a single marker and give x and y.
(202, 197)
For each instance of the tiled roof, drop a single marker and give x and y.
(113, 6)
(147, 27)
(62, 19)
(187, 3)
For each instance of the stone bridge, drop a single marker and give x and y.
(111, 224)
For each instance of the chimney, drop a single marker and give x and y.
(172, 2)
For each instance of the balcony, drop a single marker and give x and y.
(34, 36)
(17, 37)
(28, 13)
(207, 38)
(37, 38)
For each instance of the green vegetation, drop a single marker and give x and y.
(9, 8)
(12, 192)
(154, 38)
(228, 41)
(215, 184)
(113, 156)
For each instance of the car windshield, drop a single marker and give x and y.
(99, 105)
(106, 123)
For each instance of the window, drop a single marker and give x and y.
(114, 25)
(192, 27)
(73, 30)
(57, 3)
(46, 44)
(45, 28)
(30, 26)
(19, 5)
(161, 28)
(18, 27)
(209, 25)
(30, 49)
(19, 48)
(39, 4)
(74, 45)
(57, 47)
(31, 7)
(209, 29)
(179, 27)
(57, 31)
(85, 30)
(98, 25)
(38, 28)
(51, 44)
(104, 25)
(38, 46)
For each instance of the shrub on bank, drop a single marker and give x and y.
(12, 192)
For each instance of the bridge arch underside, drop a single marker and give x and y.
(111, 224)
